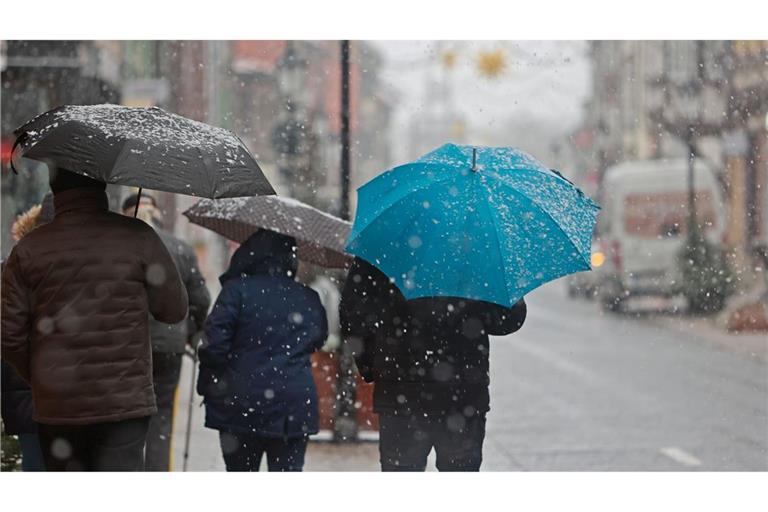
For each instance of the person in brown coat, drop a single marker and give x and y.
(76, 298)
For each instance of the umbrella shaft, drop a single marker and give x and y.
(138, 201)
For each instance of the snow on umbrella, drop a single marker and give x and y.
(482, 223)
(144, 147)
(320, 236)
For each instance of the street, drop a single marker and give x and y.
(579, 390)
(576, 389)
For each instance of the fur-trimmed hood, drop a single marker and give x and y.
(35, 216)
(25, 223)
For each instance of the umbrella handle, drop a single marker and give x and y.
(15, 145)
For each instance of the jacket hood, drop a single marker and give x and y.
(265, 252)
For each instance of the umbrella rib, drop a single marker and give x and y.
(534, 283)
(389, 207)
(426, 242)
(501, 179)
(253, 160)
(404, 227)
(498, 244)
(215, 181)
(164, 149)
(244, 221)
(534, 202)
(445, 176)
(118, 156)
(543, 210)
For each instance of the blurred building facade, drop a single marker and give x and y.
(439, 119)
(647, 96)
(37, 76)
(281, 97)
(288, 99)
(375, 103)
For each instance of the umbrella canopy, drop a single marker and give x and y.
(481, 223)
(144, 147)
(320, 236)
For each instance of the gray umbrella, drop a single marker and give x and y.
(320, 236)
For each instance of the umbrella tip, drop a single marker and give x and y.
(474, 159)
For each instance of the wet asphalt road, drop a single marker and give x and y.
(579, 390)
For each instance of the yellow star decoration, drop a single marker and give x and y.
(491, 63)
(449, 59)
(458, 130)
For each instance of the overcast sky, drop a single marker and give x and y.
(545, 83)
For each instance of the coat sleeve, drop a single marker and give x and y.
(499, 320)
(366, 313)
(320, 327)
(363, 355)
(197, 293)
(165, 291)
(352, 322)
(220, 328)
(16, 316)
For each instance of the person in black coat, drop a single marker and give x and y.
(428, 359)
(255, 369)
(169, 341)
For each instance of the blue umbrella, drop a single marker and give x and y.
(481, 223)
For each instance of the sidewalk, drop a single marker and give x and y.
(205, 453)
(708, 330)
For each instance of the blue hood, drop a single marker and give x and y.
(265, 252)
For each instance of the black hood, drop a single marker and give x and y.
(265, 252)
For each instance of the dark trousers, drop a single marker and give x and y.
(115, 446)
(406, 440)
(243, 452)
(166, 369)
(31, 454)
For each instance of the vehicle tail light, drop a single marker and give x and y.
(597, 259)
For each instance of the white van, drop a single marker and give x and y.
(643, 224)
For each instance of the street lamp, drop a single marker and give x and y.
(345, 422)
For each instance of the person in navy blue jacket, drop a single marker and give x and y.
(255, 369)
